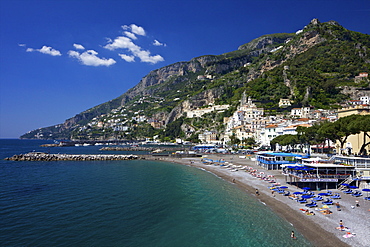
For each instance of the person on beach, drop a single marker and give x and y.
(341, 226)
(272, 193)
(292, 235)
(357, 203)
(257, 192)
(338, 206)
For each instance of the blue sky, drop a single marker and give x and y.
(59, 58)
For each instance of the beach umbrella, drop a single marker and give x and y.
(297, 193)
(307, 196)
(367, 190)
(353, 187)
(345, 184)
(283, 187)
(306, 188)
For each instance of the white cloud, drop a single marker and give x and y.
(145, 57)
(120, 43)
(79, 47)
(126, 43)
(135, 29)
(89, 58)
(157, 43)
(130, 35)
(127, 58)
(46, 50)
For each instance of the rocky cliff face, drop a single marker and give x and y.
(204, 98)
(254, 58)
(161, 75)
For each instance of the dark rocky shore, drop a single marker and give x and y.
(37, 156)
(140, 148)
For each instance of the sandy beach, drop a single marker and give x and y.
(319, 229)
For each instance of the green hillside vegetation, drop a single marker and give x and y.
(307, 74)
(320, 71)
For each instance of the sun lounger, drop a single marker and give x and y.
(302, 200)
(336, 196)
(356, 194)
(311, 205)
(328, 202)
(348, 191)
(287, 193)
(318, 198)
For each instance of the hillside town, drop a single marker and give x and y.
(248, 122)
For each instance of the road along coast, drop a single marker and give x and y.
(319, 228)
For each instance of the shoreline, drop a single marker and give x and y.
(319, 229)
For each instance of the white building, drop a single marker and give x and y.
(208, 137)
(269, 133)
(245, 114)
(365, 100)
(300, 112)
(284, 103)
(201, 111)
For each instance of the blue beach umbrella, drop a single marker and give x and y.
(297, 193)
(353, 187)
(283, 187)
(306, 188)
(345, 184)
(367, 190)
(307, 196)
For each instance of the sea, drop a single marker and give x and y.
(127, 203)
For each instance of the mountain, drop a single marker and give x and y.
(315, 66)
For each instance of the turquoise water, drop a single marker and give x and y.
(127, 203)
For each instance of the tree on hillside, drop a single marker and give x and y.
(338, 130)
(285, 140)
(234, 140)
(249, 141)
(361, 124)
(173, 130)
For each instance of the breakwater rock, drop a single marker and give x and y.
(148, 149)
(37, 156)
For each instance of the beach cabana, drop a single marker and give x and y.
(317, 173)
(275, 160)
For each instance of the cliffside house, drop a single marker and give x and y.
(284, 103)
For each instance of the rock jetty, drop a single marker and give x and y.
(148, 149)
(38, 156)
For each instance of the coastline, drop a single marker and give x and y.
(318, 229)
